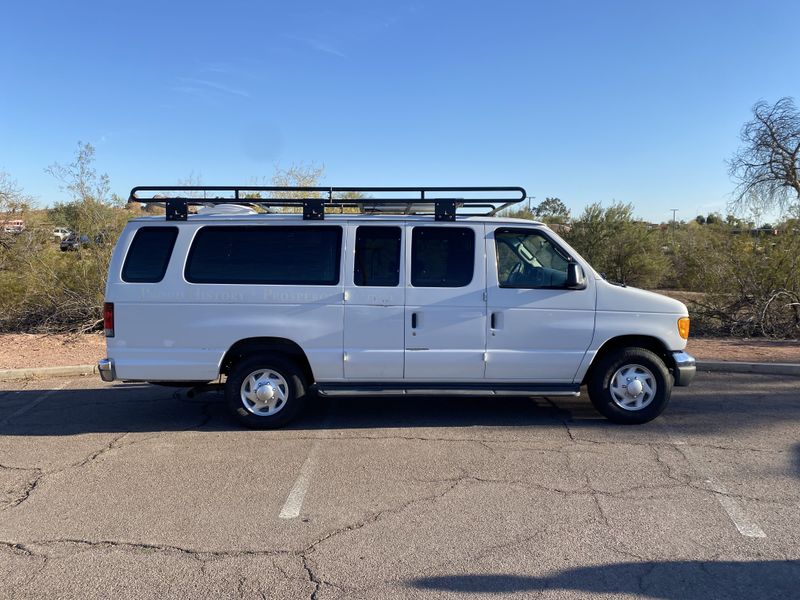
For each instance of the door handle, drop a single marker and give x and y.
(413, 320)
(493, 321)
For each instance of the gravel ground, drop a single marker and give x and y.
(745, 350)
(26, 350)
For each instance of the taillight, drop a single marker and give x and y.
(108, 319)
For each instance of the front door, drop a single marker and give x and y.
(538, 330)
(445, 314)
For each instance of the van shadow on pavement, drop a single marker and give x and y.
(148, 408)
(669, 580)
(718, 404)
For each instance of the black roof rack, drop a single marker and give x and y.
(441, 201)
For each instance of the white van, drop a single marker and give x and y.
(442, 298)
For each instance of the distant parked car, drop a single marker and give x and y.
(14, 226)
(61, 233)
(74, 242)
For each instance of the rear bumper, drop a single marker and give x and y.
(685, 368)
(106, 369)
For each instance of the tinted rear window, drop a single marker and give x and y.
(149, 254)
(303, 255)
(442, 256)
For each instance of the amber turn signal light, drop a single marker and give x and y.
(683, 327)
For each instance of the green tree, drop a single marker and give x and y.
(626, 250)
(520, 213)
(552, 210)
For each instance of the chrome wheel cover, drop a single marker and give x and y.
(264, 392)
(633, 387)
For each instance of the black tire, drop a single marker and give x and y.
(603, 398)
(295, 392)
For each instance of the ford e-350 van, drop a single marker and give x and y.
(406, 291)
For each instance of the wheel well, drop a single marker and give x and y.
(655, 345)
(250, 346)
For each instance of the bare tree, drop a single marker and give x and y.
(298, 175)
(80, 178)
(12, 198)
(767, 166)
(14, 204)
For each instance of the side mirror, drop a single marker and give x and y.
(576, 280)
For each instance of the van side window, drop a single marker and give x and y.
(442, 256)
(270, 255)
(377, 256)
(528, 259)
(148, 255)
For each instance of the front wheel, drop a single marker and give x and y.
(630, 386)
(265, 391)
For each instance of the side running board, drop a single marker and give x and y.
(445, 389)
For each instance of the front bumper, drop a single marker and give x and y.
(685, 368)
(106, 369)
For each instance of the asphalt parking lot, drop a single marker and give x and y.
(132, 490)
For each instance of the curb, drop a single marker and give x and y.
(748, 367)
(48, 372)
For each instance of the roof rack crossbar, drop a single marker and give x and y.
(314, 199)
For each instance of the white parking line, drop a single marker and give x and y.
(33, 403)
(294, 502)
(735, 511)
(291, 508)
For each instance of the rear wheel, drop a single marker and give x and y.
(265, 391)
(630, 385)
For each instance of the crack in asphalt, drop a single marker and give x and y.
(29, 548)
(93, 456)
(21, 550)
(666, 443)
(17, 548)
(412, 438)
(14, 468)
(666, 468)
(41, 474)
(312, 577)
(26, 491)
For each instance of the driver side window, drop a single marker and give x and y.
(527, 259)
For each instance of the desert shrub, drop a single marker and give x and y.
(746, 280)
(44, 289)
(47, 290)
(624, 249)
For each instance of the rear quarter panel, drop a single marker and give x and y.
(178, 331)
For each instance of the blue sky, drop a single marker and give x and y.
(638, 102)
